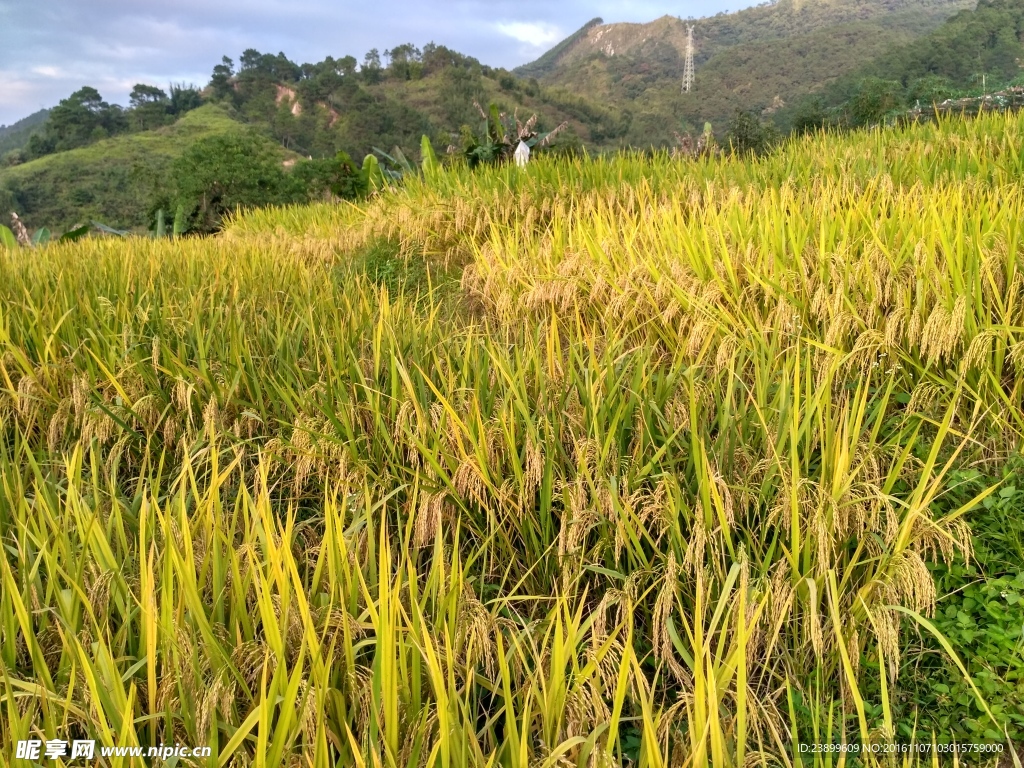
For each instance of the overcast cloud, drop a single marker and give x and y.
(49, 48)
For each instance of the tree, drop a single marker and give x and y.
(81, 118)
(347, 66)
(747, 134)
(371, 69)
(810, 115)
(220, 83)
(404, 62)
(88, 98)
(874, 99)
(150, 106)
(249, 60)
(337, 175)
(929, 90)
(459, 89)
(184, 98)
(143, 95)
(220, 174)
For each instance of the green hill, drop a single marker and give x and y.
(761, 58)
(434, 92)
(113, 181)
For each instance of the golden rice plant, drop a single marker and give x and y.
(655, 450)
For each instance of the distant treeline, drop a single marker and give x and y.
(84, 117)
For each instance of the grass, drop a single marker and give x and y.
(617, 462)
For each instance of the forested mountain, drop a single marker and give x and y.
(760, 58)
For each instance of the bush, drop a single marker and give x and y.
(337, 176)
(747, 134)
(220, 174)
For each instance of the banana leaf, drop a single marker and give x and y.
(7, 238)
(109, 230)
(74, 234)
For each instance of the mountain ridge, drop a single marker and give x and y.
(766, 21)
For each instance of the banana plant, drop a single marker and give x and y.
(501, 136)
(179, 222)
(372, 174)
(429, 159)
(74, 234)
(396, 166)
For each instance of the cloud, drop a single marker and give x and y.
(537, 34)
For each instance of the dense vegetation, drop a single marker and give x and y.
(976, 51)
(95, 160)
(628, 461)
(760, 58)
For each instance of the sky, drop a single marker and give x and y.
(50, 48)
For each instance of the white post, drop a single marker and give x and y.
(522, 154)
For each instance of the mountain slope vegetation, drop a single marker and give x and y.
(760, 58)
(980, 49)
(114, 181)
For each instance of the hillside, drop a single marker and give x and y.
(112, 181)
(16, 135)
(432, 92)
(975, 51)
(772, 54)
(314, 111)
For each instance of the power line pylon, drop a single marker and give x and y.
(688, 69)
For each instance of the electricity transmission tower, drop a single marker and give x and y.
(688, 69)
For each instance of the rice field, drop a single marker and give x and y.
(615, 462)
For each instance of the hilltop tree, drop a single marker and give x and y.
(371, 69)
(150, 106)
(405, 62)
(346, 66)
(220, 83)
(184, 98)
(79, 119)
(143, 95)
